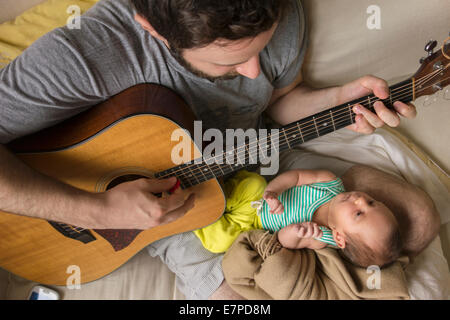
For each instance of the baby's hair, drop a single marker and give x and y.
(360, 254)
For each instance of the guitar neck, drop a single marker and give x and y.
(287, 137)
(340, 116)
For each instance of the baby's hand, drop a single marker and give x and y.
(272, 200)
(308, 230)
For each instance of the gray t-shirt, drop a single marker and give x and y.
(69, 70)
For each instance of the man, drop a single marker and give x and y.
(230, 61)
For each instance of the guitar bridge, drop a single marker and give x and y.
(83, 235)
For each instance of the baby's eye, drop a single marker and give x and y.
(371, 202)
(358, 213)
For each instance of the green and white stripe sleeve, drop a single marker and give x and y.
(327, 236)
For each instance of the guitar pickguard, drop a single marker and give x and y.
(119, 238)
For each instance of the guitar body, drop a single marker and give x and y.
(135, 140)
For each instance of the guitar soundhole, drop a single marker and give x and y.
(122, 179)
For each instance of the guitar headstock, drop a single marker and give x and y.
(434, 73)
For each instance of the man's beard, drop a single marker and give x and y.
(179, 57)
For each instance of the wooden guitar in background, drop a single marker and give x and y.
(129, 136)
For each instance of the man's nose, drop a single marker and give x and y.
(250, 69)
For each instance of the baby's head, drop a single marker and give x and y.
(365, 229)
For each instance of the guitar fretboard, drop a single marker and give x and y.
(286, 137)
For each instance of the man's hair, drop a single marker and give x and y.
(360, 254)
(187, 24)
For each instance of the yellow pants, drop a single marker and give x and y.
(239, 216)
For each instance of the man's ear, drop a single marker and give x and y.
(339, 238)
(148, 27)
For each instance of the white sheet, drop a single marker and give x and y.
(428, 277)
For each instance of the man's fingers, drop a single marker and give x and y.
(171, 202)
(379, 86)
(366, 121)
(389, 117)
(361, 125)
(159, 185)
(408, 110)
(371, 117)
(180, 211)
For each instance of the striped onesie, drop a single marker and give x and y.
(300, 203)
(246, 209)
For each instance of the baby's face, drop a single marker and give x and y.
(357, 213)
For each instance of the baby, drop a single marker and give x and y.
(308, 209)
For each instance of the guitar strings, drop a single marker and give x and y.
(306, 131)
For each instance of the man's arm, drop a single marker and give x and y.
(25, 191)
(61, 74)
(130, 205)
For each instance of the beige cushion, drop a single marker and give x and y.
(10, 9)
(143, 277)
(342, 48)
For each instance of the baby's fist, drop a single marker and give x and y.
(308, 230)
(272, 200)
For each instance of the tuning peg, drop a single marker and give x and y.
(447, 94)
(429, 47)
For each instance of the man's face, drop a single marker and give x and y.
(225, 59)
(222, 59)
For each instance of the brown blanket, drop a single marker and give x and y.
(257, 267)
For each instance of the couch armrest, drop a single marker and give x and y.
(9, 9)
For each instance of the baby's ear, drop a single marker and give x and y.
(339, 238)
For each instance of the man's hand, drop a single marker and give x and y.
(275, 205)
(365, 120)
(134, 205)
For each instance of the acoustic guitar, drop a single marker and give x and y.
(129, 136)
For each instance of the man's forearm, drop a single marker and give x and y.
(27, 192)
(302, 102)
